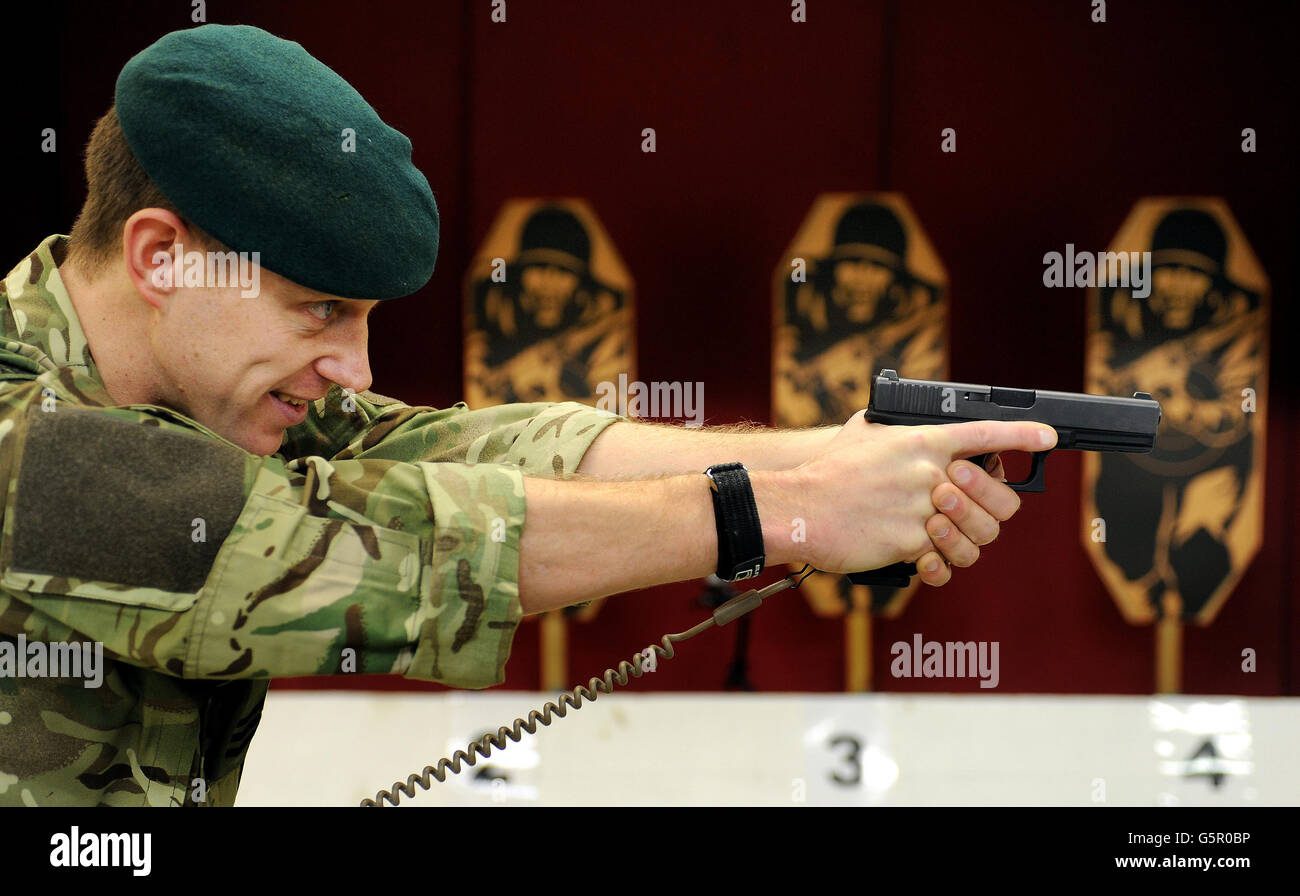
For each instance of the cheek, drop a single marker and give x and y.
(205, 341)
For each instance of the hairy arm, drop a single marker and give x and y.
(585, 540)
(597, 534)
(635, 450)
(867, 498)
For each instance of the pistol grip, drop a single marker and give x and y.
(899, 575)
(896, 575)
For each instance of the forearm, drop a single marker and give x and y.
(633, 450)
(584, 540)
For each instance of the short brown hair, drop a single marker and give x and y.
(117, 188)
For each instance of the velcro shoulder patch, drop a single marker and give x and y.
(104, 499)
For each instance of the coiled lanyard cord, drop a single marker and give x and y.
(645, 660)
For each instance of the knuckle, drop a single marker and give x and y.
(944, 491)
(1015, 508)
(925, 507)
(919, 544)
(930, 574)
(928, 472)
(958, 465)
(966, 558)
(934, 476)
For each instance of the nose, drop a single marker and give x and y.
(347, 360)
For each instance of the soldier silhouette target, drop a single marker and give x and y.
(872, 294)
(1183, 521)
(551, 329)
(550, 315)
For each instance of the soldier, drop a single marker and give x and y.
(200, 482)
(552, 329)
(861, 310)
(1193, 344)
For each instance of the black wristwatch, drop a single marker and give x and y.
(740, 535)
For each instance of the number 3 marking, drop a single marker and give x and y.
(853, 758)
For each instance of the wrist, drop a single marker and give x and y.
(805, 444)
(776, 492)
(821, 437)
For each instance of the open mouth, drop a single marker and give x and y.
(290, 400)
(294, 409)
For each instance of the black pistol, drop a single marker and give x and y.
(1082, 422)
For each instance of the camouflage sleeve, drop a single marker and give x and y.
(542, 438)
(138, 528)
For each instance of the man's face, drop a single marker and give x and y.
(546, 290)
(228, 361)
(1177, 292)
(859, 286)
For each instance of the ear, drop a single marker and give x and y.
(152, 240)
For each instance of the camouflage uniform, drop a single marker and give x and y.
(384, 533)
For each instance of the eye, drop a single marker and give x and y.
(322, 310)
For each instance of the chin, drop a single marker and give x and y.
(261, 444)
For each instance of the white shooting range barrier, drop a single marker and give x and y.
(320, 748)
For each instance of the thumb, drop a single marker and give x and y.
(988, 436)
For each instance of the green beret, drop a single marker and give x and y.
(244, 133)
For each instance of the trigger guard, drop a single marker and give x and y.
(1036, 480)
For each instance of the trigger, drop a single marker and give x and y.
(1036, 481)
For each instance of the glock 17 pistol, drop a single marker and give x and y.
(1082, 422)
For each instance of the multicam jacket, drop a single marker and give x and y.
(381, 538)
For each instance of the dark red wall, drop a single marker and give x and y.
(1062, 124)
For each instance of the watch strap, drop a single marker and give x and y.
(740, 533)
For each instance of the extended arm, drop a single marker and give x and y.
(865, 500)
(633, 450)
(585, 540)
